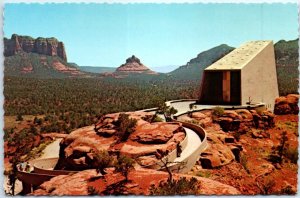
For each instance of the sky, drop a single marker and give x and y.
(158, 34)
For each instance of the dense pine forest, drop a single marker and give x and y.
(73, 103)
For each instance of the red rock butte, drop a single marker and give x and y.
(134, 65)
(45, 46)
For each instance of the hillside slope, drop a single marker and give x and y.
(287, 62)
(39, 66)
(194, 68)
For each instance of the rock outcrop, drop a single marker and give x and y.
(235, 120)
(140, 180)
(45, 46)
(222, 149)
(156, 133)
(78, 149)
(224, 130)
(134, 65)
(75, 184)
(287, 104)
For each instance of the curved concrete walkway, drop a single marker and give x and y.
(51, 150)
(193, 139)
(182, 107)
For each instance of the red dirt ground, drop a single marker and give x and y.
(260, 169)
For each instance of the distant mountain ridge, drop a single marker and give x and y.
(194, 68)
(97, 69)
(286, 53)
(40, 66)
(287, 62)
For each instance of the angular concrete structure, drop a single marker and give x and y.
(247, 74)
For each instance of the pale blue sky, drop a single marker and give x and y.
(159, 34)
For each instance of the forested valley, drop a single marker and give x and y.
(73, 103)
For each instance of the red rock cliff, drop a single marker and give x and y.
(47, 46)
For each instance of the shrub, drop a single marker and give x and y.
(157, 119)
(277, 153)
(171, 111)
(193, 122)
(218, 111)
(102, 161)
(291, 154)
(167, 111)
(244, 162)
(237, 135)
(182, 186)
(204, 174)
(126, 126)
(124, 164)
(288, 190)
(260, 110)
(19, 117)
(266, 186)
(92, 190)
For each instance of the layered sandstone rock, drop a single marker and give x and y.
(156, 133)
(147, 143)
(45, 46)
(220, 151)
(75, 184)
(140, 180)
(222, 147)
(235, 120)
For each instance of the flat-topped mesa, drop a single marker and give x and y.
(133, 65)
(46, 46)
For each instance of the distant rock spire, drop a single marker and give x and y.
(133, 65)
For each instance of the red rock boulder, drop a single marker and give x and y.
(287, 105)
(156, 133)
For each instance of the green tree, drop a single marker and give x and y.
(123, 165)
(277, 152)
(33, 130)
(182, 186)
(218, 111)
(19, 117)
(126, 126)
(102, 161)
(167, 111)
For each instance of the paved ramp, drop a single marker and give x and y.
(52, 150)
(182, 107)
(193, 141)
